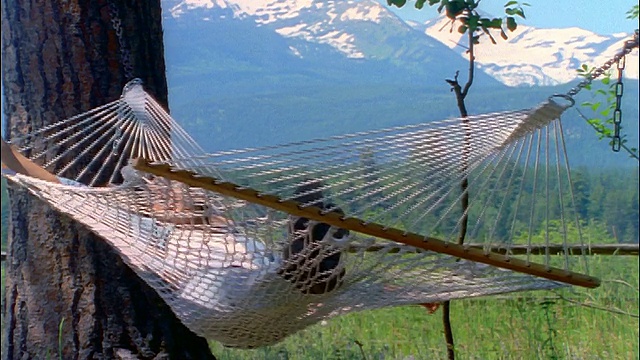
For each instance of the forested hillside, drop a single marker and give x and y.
(225, 116)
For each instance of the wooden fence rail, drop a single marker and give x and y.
(599, 249)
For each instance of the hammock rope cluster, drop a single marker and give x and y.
(251, 245)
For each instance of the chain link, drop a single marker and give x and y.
(125, 55)
(616, 140)
(629, 45)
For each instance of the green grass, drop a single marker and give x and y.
(531, 327)
(527, 327)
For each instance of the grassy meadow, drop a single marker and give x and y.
(571, 323)
(534, 325)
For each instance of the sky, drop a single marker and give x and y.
(602, 17)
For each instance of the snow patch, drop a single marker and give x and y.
(363, 12)
(295, 52)
(187, 5)
(291, 31)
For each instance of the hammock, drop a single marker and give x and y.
(251, 245)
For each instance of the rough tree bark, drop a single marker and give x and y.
(61, 58)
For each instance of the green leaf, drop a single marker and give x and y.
(511, 23)
(473, 23)
(472, 4)
(496, 23)
(510, 3)
(517, 11)
(521, 13)
(398, 3)
(634, 12)
(463, 29)
(455, 8)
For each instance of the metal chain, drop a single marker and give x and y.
(629, 45)
(616, 141)
(125, 55)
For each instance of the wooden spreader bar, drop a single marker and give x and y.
(372, 229)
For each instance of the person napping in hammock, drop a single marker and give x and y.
(313, 257)
(222, 283)
(310, 259)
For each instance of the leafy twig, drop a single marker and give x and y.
(599, 129)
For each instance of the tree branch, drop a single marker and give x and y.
(472, 60)
(457, 89)
(448, 332)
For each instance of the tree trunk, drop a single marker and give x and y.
(68, 294)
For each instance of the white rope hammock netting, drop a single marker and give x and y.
(251, 269)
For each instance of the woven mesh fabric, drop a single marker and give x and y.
(251, 281)
(247, 275)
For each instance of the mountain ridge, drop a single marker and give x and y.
(237, 82)
(360, 32)
(536, 56)
(367, 30)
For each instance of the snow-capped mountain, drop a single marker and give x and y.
(315, 21)
(533, 56)
(261, 72)
(360, 31)
(366, 30)
(293, 19)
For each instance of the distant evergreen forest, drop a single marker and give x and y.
(224, 116)
(607, 203)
